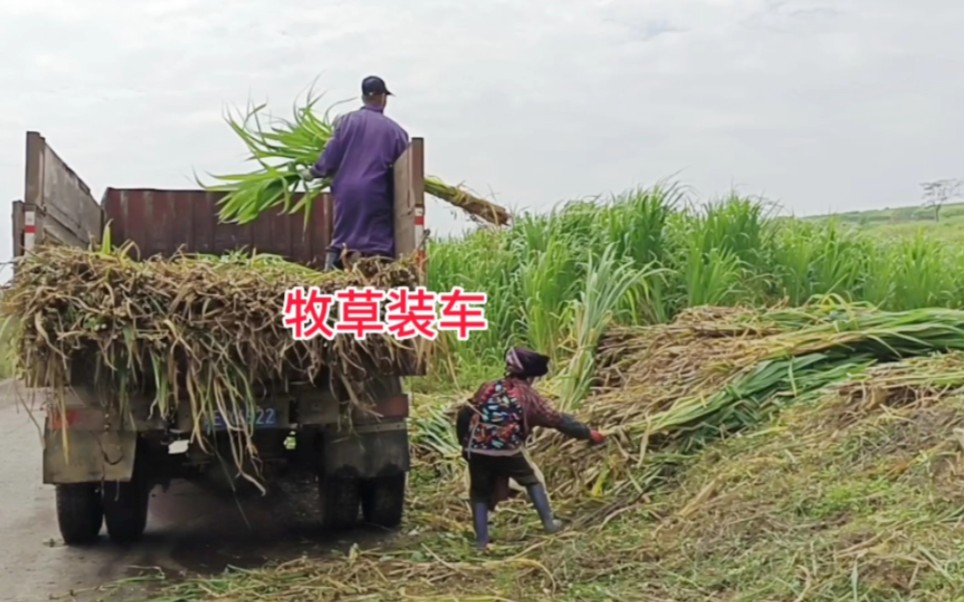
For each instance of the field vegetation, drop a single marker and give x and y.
(783, 398)
(645, 255)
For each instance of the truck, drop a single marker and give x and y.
(105, 466)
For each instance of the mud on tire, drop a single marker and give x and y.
(79, 512)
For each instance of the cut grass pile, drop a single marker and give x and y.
(206, 330)
(850, 493)
(281, 147)
(662, 392)
(857, 497)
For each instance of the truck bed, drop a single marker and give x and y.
(58, 208)
(161, 221)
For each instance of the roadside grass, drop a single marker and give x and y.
(6, 350)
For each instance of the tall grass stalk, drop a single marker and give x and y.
(608, 279)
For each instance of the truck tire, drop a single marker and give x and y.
(79, 512)
(383, 500)
(339, 502)
(125, 510)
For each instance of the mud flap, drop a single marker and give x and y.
(380, 451)
(89, 456)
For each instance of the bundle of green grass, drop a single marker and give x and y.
(282, 147)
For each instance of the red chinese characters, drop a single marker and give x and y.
(457, 316)
(358, 310)
(402, 313)
(411, 313)
(307, 315)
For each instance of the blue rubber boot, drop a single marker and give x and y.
(480, 521)
(540, 499)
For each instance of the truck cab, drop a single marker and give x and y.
(104, 466)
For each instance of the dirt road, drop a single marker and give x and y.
(189, 529)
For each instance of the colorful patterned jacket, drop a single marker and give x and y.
(499, 418)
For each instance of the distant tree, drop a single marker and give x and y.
(938, 192)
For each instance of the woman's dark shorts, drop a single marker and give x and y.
(485, 470)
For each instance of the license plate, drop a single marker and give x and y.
(260, 418)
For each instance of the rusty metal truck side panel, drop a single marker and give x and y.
(161, 222)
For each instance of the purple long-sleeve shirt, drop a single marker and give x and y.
(360, 156)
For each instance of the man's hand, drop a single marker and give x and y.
(305, 173)
(596, 437)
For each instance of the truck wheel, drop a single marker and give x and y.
(339, 502)
(79, 512)
(125, 510)
(383, 500)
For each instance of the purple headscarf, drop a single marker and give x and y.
(526, 363)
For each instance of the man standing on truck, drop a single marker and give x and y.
(493, 428)
(360, 157)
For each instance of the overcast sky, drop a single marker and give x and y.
(817, 104)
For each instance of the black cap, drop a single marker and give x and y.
(374, 85)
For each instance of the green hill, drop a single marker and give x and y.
(906, 221)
